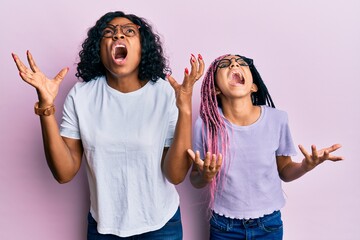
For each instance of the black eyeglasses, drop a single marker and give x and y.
(129, 30)
(223, 63)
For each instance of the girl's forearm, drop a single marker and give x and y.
(292, 171)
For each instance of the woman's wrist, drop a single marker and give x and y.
(44, 109)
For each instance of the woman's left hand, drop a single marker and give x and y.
(183, 92)
(317, 157)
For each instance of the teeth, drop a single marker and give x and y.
(237, 74)
(237, 77)
(119, 51)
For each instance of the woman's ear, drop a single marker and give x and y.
(254, 88)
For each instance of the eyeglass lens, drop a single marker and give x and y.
(226, 62)
(128, 30)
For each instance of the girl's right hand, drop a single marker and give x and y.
(209, 167)
(47, 89)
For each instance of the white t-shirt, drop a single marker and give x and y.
(251, 185)
(124, 135)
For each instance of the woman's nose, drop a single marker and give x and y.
(118, 35)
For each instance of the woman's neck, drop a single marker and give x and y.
(125, 84)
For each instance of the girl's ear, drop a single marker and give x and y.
(254, 88)
(217, 91)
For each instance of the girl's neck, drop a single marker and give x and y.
(241, 112)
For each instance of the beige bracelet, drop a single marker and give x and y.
(47, 111)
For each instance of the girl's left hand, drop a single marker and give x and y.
(207, 168)
(183, 92)
(317, 157)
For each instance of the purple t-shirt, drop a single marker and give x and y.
(251, 186)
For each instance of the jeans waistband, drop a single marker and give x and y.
(252, 222)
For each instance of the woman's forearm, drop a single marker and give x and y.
(63, 160)
(176, 162)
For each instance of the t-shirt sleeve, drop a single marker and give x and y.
(197, 137)
(286, 144)
(69, 126)
(173, 117)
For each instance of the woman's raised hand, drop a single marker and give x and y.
(183, 92)
(46, 88)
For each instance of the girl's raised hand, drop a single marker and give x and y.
(184, 91)
(317, 157)
(47, 89)
(209, 167)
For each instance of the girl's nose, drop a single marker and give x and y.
(234, 63)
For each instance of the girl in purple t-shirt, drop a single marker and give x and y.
(246, 147)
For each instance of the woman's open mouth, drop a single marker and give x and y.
(120, 53)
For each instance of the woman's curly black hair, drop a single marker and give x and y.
(153, 64)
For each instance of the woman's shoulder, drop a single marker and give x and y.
(161, 83)
(82, 87)
(163, 86)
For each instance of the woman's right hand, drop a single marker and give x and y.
(46, 88)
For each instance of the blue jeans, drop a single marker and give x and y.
(269, 227)
(171, 231)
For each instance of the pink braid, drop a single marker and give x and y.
(214, 134)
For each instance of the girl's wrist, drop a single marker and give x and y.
(304, 166)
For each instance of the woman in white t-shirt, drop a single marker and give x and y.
(126, 119)
(246, 145)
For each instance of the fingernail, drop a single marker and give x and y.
(13, 55)
(27, 51)
(193, 58)
(186, 70)
(200, 57)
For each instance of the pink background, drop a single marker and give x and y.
(307, 52)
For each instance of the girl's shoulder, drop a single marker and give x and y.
(198, 121)
(274, 113)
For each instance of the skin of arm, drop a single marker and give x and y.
(289, 170)
(175, 162)
(63, 155)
